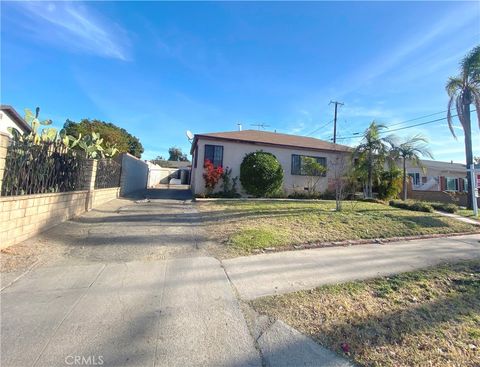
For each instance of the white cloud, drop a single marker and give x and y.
(76, 27)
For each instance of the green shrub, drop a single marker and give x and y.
(418, 206)
(445, 207)
(305, 195)
(372, 200)
(261, 174)
(229, 184)
(390, 184)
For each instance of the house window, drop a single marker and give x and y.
(214, 153)
(196, 156)
(452, 184)
(298, 164)
(415, 178)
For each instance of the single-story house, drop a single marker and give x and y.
(227, 149)
(438, 176)
(10, 118)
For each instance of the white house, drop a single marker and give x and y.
(227, 149)
(438, 176)
(10, 118)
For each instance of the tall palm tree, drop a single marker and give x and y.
(373, 151)
(411, 149)
(463, 91)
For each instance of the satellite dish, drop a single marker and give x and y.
(189, 135)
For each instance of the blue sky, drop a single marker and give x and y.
(158, 69)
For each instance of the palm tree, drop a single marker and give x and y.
(463, 91)
(372, 151)
(410, 149)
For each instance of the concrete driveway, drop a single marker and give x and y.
(129, 285)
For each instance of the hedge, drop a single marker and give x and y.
(418, 206)
(444, 207)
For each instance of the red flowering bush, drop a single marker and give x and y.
(211, 175)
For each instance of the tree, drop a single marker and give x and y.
(158, 160)
(463, 91)
(314, 171)
(177, 155)
(261, 174)
(371, 154)
(410, 149)
(340, 172)
(111, 134)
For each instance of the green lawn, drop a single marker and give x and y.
(467, 213)
(423, 318)
(244, 226)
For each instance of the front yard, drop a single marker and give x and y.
(245, 227)
(423, 318)
(467, 213)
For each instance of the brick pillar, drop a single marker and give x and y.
(4, 143)
(89, 182)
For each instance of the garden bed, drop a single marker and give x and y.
(429, 317)
(244, 227)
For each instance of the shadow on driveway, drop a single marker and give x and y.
(179, 192)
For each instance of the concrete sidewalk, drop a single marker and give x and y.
(178, 312)
(283, 272)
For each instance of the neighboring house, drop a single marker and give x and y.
(173, 164)
(177, 172)
(438, 176)
(227, 149)
(10, 118)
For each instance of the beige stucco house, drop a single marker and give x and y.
(9, 118)
(228, 149)
(438, 176)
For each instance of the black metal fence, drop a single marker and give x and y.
(108, 173)
(41, 168)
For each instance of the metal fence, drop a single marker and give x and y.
(41, 168)
(108, 173)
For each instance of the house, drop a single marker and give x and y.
(227, 149)
(438, 176)
(175, 173)
(10, 118)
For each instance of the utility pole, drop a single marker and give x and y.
(335, 120)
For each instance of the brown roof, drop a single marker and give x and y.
(10, 111)
(269, 138)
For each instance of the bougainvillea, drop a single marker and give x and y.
(211, 175)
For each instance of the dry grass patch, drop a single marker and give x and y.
(244, 226)
(468, 213)
(423, 318)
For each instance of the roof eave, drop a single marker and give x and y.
(254, 142)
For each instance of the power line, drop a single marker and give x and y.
(418, 118)
(404, 122)
(319, 128)
(355, 135)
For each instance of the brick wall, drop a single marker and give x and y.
(101, 196)
(459, 198)
(27, 215)
(22, 217)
